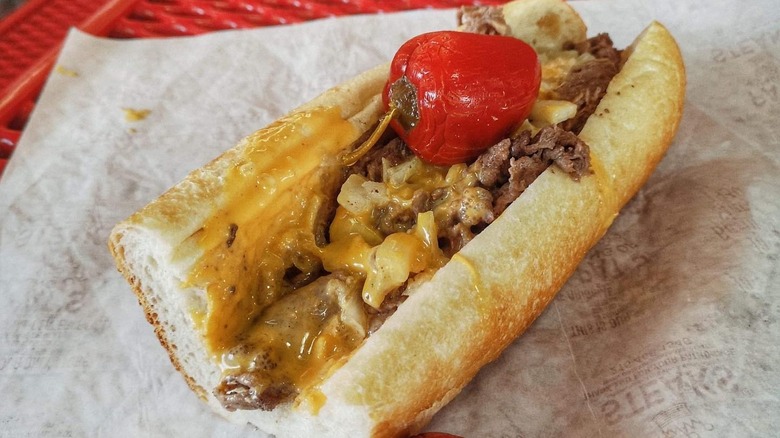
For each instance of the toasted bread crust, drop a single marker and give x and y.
(469, 312)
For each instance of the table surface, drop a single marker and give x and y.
(8, 6)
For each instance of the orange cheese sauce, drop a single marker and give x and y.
(264, 219)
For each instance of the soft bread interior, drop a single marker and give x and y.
(469, 312)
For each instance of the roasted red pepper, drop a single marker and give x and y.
(459, 93)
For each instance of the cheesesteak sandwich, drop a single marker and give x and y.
(333, 276)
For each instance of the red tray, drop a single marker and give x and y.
(30, 38)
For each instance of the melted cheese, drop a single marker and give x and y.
(295, 338)
(387, 260)
(264, 221)
(476, 279)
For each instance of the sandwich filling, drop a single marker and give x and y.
(304, 266)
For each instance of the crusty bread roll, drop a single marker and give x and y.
(153, 247)
(475, 305)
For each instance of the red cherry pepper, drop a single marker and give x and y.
(459, 93)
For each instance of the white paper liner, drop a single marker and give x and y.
(669, 328)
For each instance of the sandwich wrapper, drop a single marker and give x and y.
(669, 328)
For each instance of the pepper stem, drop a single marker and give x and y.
(352, 157)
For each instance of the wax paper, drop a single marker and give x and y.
(669, 328)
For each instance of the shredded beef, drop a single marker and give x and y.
(523, 171)
(422, 201)
(370, 165)
(377, 317)
(511, 166)
(520, 144)
(466, 214)
(564, 149)
(586, 84)
(493, 164)
(504, 171)
(600, 46)
(474, 207)
(394, 218)
(455, 237)
(248, 391)
(482, 19)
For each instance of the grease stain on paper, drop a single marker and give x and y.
(136, 115)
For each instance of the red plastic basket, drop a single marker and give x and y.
(30, 38)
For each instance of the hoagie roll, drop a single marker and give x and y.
(308, 296)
